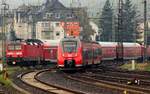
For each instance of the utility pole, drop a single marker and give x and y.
(119, 52)
(145, 30)
(4, 8)
(33, 26)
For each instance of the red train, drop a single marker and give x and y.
(132, 51)
(31, 52)
(74, 53)
(88, 53)
(70, 53)
(23, 52)
(50, 50)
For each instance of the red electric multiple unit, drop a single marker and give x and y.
(73, 53)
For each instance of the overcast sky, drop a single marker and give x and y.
(15, 3)
(93, 5)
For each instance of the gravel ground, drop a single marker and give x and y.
(58, 79)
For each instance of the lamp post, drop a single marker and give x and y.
(145, 30)
(119, 52)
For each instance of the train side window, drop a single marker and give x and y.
(90, 54)
(95, 53)
(84, 54)
(99, 51)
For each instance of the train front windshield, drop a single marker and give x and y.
(14, 47)
(69, 46)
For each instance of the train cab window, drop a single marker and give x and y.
(11, 47)
(70, 46)
(85, 54)
(17, 47)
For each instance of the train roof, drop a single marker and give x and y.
(33, 41)
(69, 38)
(127, 44)
(72, 38)
(50, 42)
(108, 43)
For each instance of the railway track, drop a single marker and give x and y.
(121, 76)
(110, 84)
(31, 79)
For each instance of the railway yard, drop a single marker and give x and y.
(97, 80)
(75, 47)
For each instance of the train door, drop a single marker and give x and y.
(84, 56)
(53, 54)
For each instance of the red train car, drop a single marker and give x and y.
(108, 50)
(148, 52)
(131, 51)
(26, 52)
(74, 53)
(50, 50)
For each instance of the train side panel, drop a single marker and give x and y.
(108, 50)
(132, 51)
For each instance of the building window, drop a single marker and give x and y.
(57, 33)
(47, 35)
(57, 15)
(42, 24)
(69, 15)
(57, 24)
(45, 24)
(49, 15)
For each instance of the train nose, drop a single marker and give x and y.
(69, 63)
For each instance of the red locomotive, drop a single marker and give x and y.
(24, 52)
(74, 53)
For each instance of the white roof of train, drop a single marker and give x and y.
(51, 42)
(131, 44)
(126, 44)
(108, 43)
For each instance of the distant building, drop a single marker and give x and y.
(95, 29)
(38, 21)
(140, 33)
(49, 30)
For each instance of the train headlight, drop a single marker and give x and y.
(19, 53)
(13, 62)
(9, 53)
